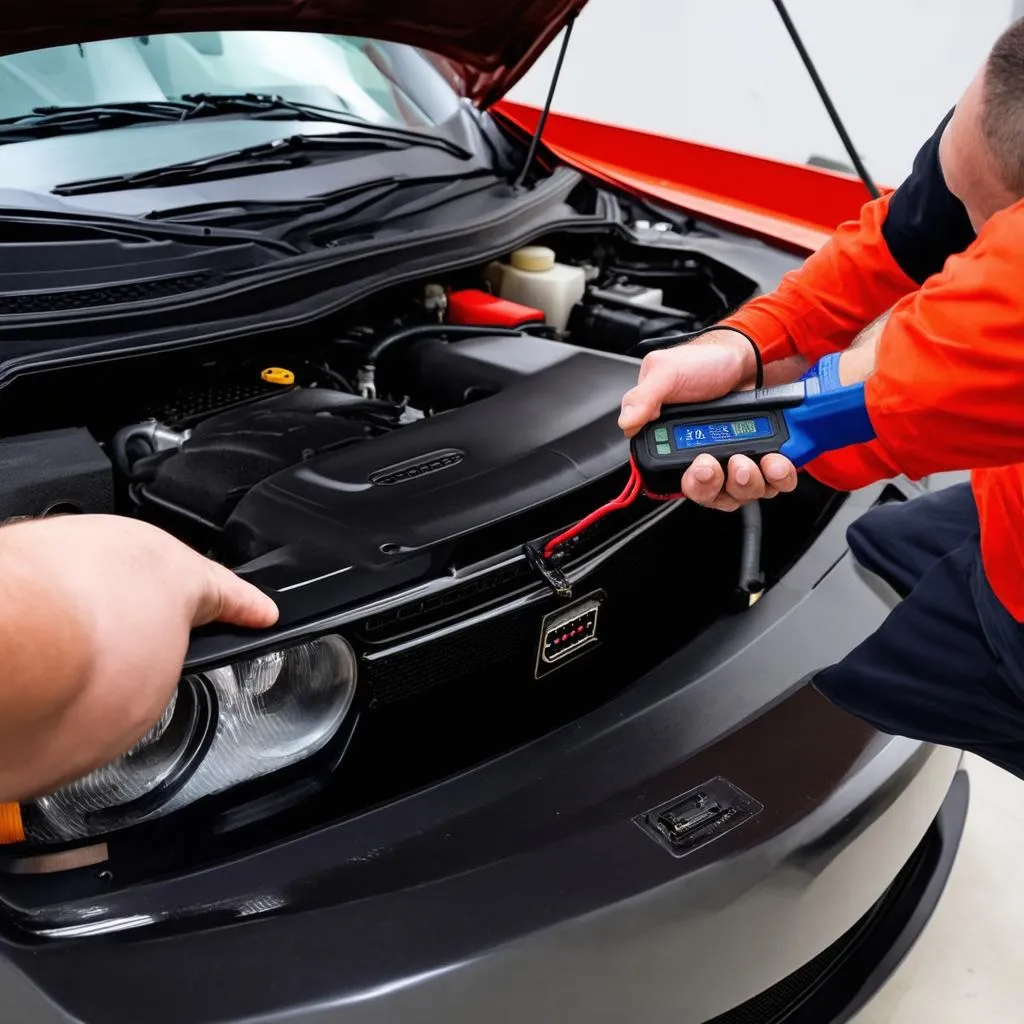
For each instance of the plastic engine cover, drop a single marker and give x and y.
(541, 421)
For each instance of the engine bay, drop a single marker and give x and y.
(413, 421)
(380, 474)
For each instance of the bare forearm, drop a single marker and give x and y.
(47, 662)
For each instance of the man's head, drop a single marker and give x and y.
(982, 150)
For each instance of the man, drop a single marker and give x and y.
(95, 616)
(935, 274)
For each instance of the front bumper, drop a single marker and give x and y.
(524, 889)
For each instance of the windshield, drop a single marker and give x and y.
(381, 83)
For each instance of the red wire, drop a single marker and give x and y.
(633, 489)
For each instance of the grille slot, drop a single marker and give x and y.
(110, 295)
(474, 595)
(506, 640)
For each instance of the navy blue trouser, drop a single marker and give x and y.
(947, 666)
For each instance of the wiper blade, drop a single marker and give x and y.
(279, 155)
(47, 121)
(272, 107)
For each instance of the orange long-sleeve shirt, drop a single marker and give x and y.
(947, 389)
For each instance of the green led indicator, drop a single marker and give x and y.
(664, 449)
(661, 435)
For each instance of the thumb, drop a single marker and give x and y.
(227, 598)
(643, 403)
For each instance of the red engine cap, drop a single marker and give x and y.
(476, 308)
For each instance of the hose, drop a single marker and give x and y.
(751, 575)
(455, 330)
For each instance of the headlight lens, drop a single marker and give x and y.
(223, 727)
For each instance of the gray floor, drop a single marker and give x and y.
(966, 966)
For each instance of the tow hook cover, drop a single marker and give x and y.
(689, 822)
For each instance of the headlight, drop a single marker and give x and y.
(223, 727)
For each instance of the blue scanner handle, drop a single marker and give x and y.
(830, 417)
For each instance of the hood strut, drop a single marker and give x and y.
(555, 75)
(837, 121)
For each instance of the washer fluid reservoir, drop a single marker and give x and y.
(534, 278)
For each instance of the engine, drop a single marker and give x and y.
(482, 400)
(492, 426)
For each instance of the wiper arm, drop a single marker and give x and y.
(248, 211)
(279, 155)
(14, 218)
(48, 121)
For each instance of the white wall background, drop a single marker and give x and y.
(724, 72)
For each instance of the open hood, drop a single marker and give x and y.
(487, 46)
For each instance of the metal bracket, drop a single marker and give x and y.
(550, 573)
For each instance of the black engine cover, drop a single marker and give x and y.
(541, 422)
(231, 452)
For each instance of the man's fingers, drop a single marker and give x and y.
(745, 482)
(227, 598)
(779, 473)
(704, 480)
(707, 484)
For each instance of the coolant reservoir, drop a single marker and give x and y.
(534, 278)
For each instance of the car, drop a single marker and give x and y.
(295, 283)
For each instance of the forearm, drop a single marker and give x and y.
(825, 304)
(943, 389)
(868, 266)
(47, 665)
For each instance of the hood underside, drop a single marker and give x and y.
(487, 46)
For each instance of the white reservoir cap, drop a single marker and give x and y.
(536, 258)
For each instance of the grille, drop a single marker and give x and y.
(474, 595)
(501, 584)
(498, 655)
(507, 640)
(111, 295)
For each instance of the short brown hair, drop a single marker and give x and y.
(1003, 105)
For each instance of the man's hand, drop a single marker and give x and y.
(712, 366)
(709, 367)
(95, 616)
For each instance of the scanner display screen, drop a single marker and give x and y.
(704, 435)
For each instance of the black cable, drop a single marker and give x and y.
(454, 330)
(837, 121)
(682, 338)
(535, 141)
(751, 575)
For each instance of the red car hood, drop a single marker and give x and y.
(487, 45)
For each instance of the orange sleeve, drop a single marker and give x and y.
(947, 392)
(822, 306)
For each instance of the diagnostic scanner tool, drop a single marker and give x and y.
(801, 421)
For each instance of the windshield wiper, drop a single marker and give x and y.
(270, 108)
(23, 221)
(245, 212)
(48, 121)
(278, 155)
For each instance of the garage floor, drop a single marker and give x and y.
(966, 965)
